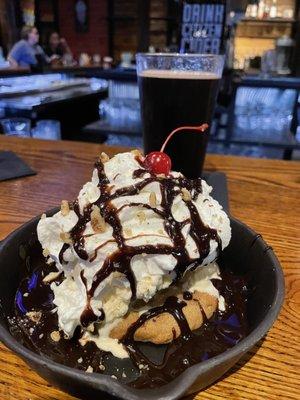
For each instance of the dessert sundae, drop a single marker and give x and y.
(132, 261)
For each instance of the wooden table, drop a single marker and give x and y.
(263, 193)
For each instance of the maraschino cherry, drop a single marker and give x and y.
(159, 162)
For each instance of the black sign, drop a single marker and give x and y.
(202, 27)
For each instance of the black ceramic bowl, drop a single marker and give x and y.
(246, 254)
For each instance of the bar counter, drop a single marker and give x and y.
(71, 100)
(128, 74)
(263, 193)
(16, 71)
(88, 71)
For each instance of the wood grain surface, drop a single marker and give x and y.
(265, 194)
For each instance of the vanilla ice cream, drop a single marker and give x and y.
(129, 235)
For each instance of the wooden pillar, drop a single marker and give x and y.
(8, 27)
(110, 27)
(144, 24)
(296, 36)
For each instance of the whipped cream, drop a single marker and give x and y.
(134, 228)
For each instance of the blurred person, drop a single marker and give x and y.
(27, 52)
(57, 48)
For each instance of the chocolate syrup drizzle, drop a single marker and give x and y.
(172, 305)
(161, 363)
(121, 259)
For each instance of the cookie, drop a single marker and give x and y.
(163, 328)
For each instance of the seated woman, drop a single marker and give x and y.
(27, 52)
(57, 48)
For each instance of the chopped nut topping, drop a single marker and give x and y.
(102, 367)
(80, 360)
(34, 316)
(90, 327)
(117, 274)
(55, 336)
(128, 232)
(186, 195)
(83, 340)
(41, 336)
(114, 376)
(46, 253)
(51, 276)
(141, 216)
(124, 375)
(104, 157)
(143, 366)
(97, 221)
(90, 369)
(65, 237)
(26, 294)
(43, 216)
(64, 208)
(152, 200)
(136, 153)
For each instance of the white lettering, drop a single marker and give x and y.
(219, 13)
(218, 30)
(215, 46)
(202, 16)
(209, 17)
(194, 45)
(206, 45)
(202, 27)
(196, 13)
(184, 45)
(187, 12)
(186, 30)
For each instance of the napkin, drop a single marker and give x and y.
(12, 166)
(218, 181)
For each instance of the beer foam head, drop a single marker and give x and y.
(177, 74)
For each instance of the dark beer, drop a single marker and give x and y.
(170, 99)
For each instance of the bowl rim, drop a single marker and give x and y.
(178, 386)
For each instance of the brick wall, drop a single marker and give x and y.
(91, 42)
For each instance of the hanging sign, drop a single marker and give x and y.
(202, 27)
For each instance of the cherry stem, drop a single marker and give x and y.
(202, 128)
